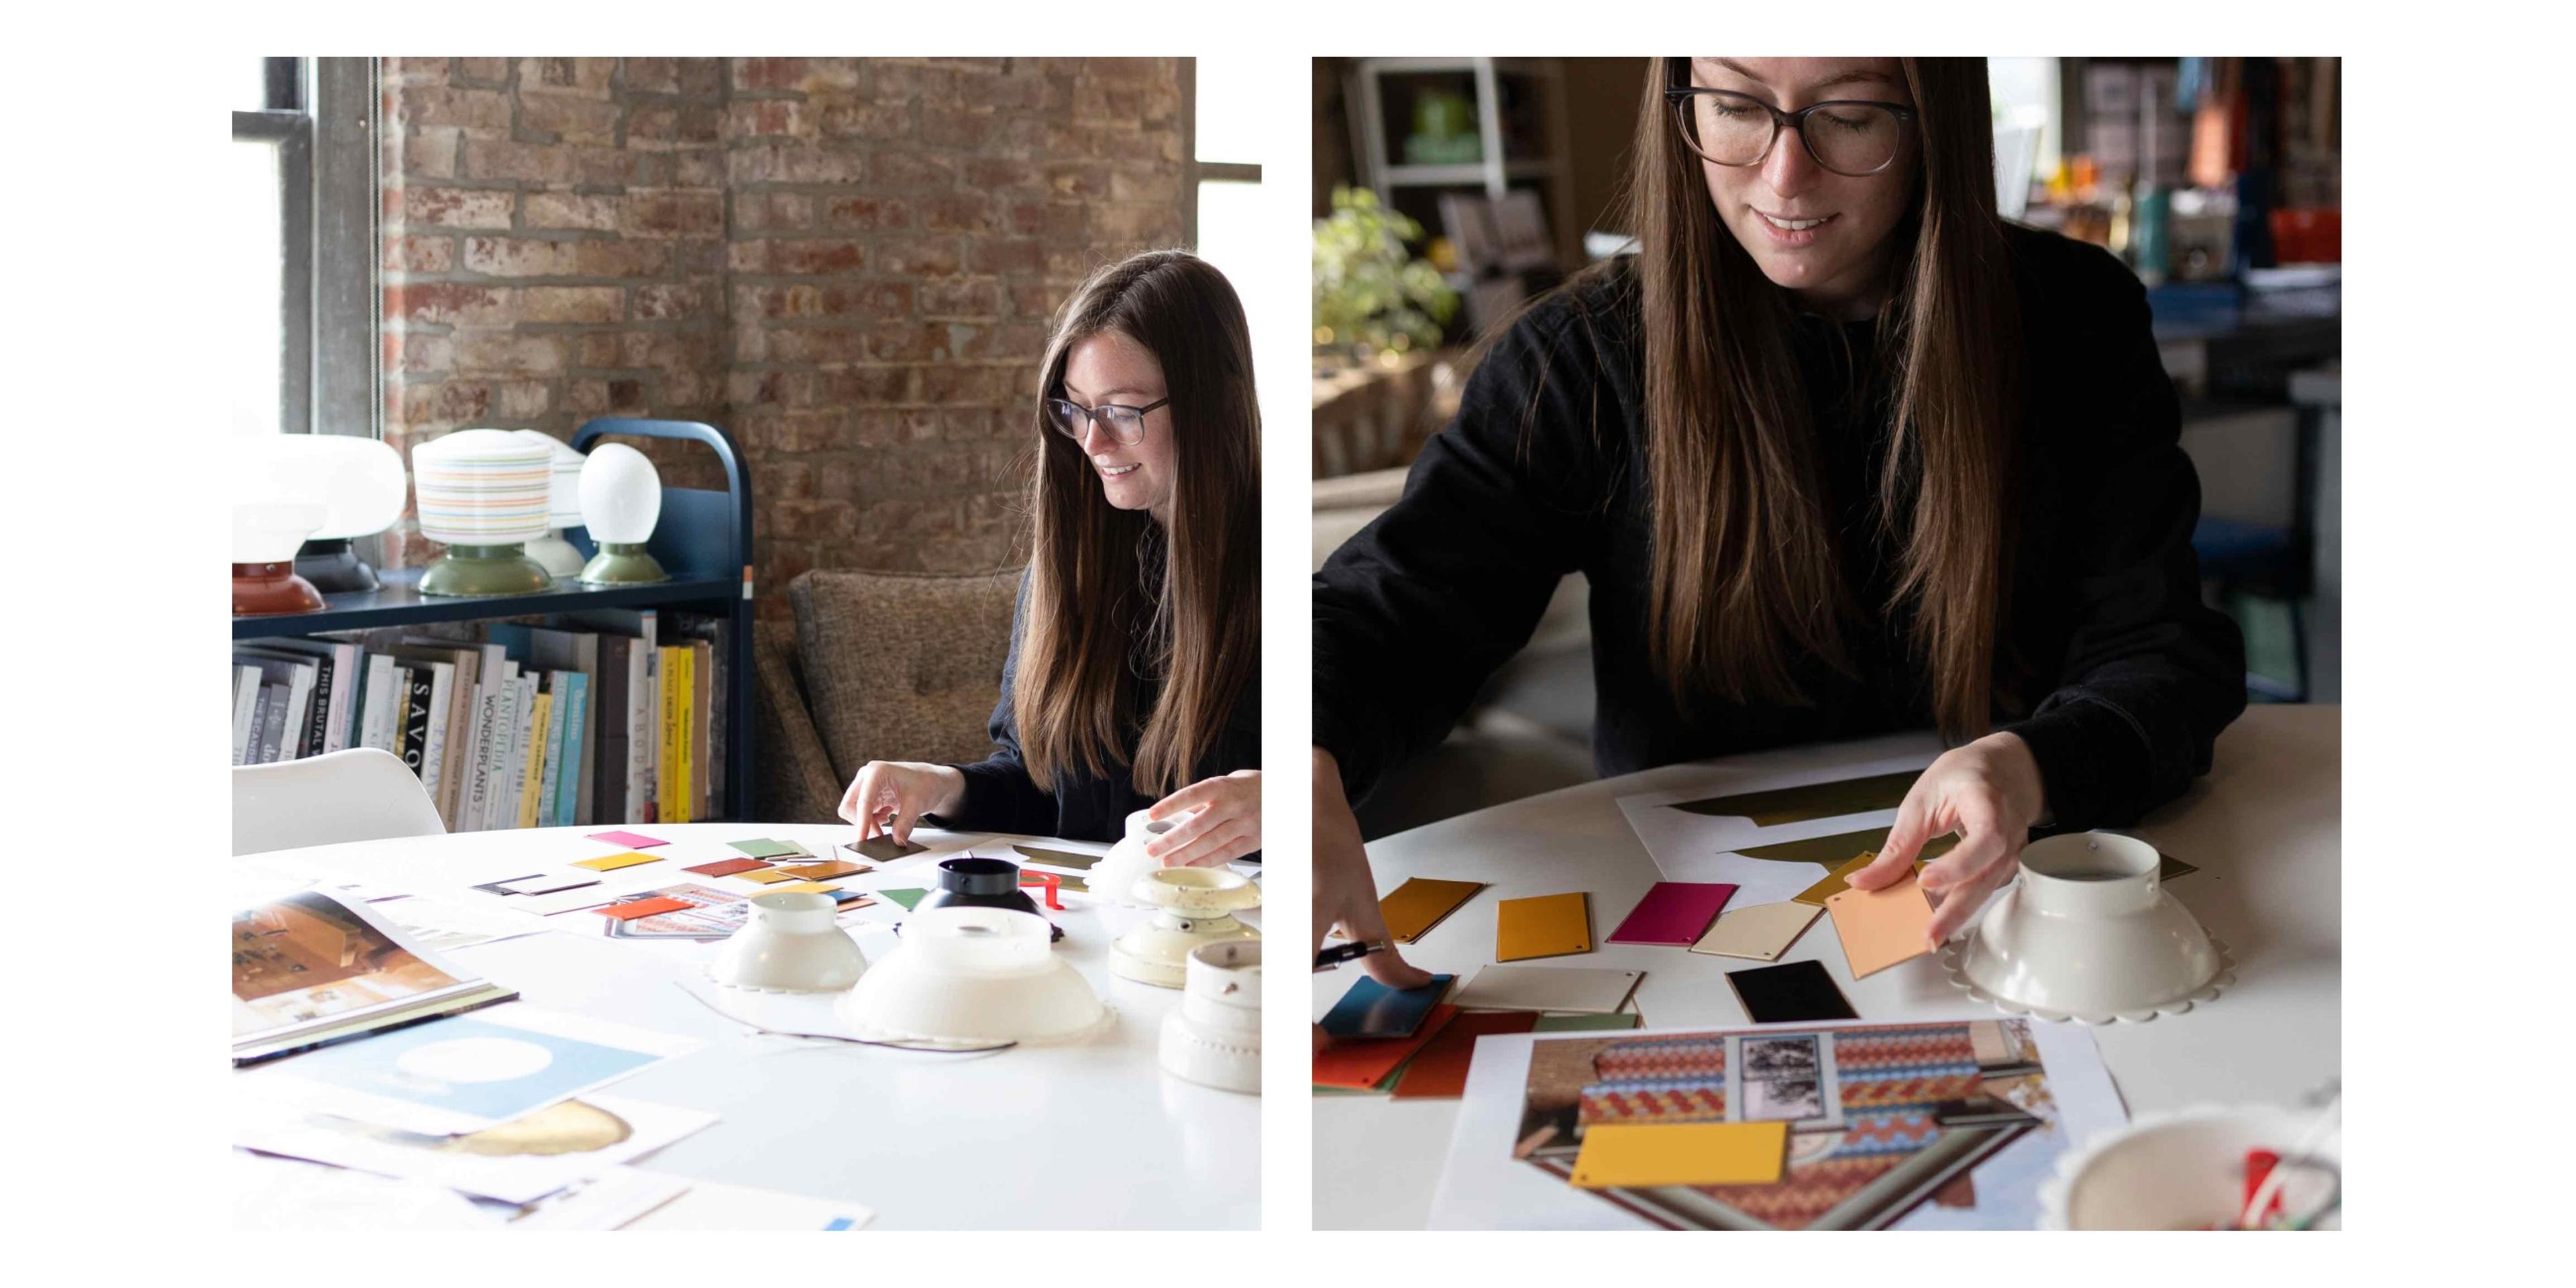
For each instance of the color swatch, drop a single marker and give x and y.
(1642, 1154)
(1551, 925)
(1674, 913)
(727, 867)
(1882, 927)
(1758, 932)
(1413, 908)
(612, 862)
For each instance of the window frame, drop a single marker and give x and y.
(321, 114)
(1194, 171)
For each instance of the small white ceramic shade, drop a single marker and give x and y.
(2088, 933)
(790, 945)
(1215, 1038)
(271, 532)
(2183, 1170)
(621, 494)
(971, 976)
(358, 481)
(1114, 878)
(481, 487)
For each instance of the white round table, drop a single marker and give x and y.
(1092, 1135)
(2264, 828)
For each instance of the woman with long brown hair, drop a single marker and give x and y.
(1133, 676)
(1840, 451)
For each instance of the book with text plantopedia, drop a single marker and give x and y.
(310, 969)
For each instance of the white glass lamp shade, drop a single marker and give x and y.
(1114, 878)
(358, 481)
(789, 944)
(968, 975)
(621, 494)
(563, 493)
(271, 531)
(2088, 933)
(482, 487)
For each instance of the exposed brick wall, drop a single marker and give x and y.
(848, 263)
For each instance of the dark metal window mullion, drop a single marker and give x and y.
(293, 133)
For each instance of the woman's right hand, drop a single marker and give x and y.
(1345, 890)
(889, 796)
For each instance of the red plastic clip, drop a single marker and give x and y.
(1053, 884)
(2258, 1166)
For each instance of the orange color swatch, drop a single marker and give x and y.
(1440, 1072)
(1416, 906)
(642, 908)
(827, 870)
(1882, 927)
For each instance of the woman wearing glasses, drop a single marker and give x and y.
(1839, 452)
(1135, 648)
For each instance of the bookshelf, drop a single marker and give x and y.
(703, 540)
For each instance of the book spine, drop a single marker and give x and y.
(433, 753)
(415, 724)
(701, 716)
(514, 763)
(551, 776)
(569, 779)
(349, 663)
(666, 801)
(380, 696)
(317, 727)
(459, 706)
(256, 741)
(641, 732)
(273, 729)
(609, 765)
(487, 712)
(531, 786)
(585, 809)
(245, 709)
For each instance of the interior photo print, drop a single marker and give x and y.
(793, 524)
(1827, 653)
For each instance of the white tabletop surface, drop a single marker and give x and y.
(2264, 827)
(1092, 1135)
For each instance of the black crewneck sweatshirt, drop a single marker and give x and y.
(2131, 677)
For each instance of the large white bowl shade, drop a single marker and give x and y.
(271, 532)
(969, 975)
(481, 487)
(621, 494)
(358, 481)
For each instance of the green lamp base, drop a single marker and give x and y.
(622, 563)
(485, 570)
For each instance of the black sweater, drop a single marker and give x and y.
(1000, 797)
(2136, 675)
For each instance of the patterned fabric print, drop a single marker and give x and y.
(1693, 1058)
(1880, 1134)
(1929, 1044)
(1909, 1087)
(1806, 1191)
(1662, 1100)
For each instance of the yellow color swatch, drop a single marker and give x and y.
(613, 862)
(766, 876)
(1419, 904)
(1839, 879)
(1547, 926)
(1639, 1154)
(801, 887)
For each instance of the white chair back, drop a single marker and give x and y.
(362, 794)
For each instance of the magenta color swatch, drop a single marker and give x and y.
(1674, 912)
(630, 840)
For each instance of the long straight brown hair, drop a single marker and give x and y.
(1092, 617)
(1744, 577)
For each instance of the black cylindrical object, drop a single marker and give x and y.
(984, 883)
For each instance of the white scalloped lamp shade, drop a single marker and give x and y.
(482, 487)
(620, 494)
(2088, 933)
(563, 485)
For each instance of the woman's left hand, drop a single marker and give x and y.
(1228, 828)
(1989, 792)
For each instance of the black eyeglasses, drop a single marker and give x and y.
(1851, 137)
(1126, 424)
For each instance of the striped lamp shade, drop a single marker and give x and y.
(482, 487)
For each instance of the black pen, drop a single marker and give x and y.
(1339, 953)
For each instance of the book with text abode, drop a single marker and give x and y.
(309, 968)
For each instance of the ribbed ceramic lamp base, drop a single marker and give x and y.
(485, 570)
(622, 563)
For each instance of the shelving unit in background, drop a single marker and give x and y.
(703, 540)
(1519, 123)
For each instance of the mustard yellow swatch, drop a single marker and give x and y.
(1547, 926)
(1638, 1154)
(1419, 904)
(613, 862)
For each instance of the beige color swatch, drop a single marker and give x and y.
(1758, 932)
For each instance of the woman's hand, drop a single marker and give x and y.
(889, 796)
(1226, 827)
(1989, 793)
(1345, 890)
